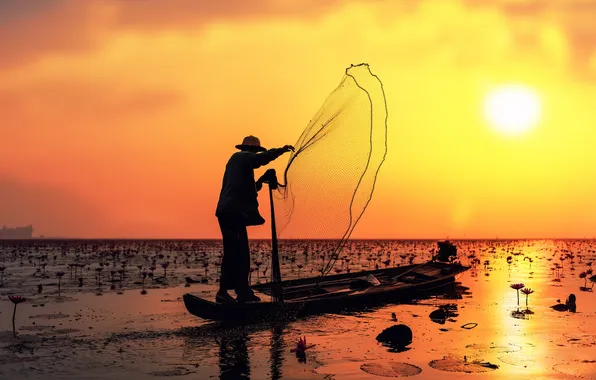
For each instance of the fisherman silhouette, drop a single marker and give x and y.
(238, 208)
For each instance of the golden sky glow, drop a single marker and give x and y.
(118, 116)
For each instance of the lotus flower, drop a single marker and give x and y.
(165, 266)
(59, 274)
(16, 300)
(584, 275)
(527, 292)
(301, 346)
(517, 287)
(143, 276)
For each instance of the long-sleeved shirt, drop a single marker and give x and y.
(239, 191)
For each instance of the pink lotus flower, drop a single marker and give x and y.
(527, 292)
(301, 346)
(15, 300)
(517, 287)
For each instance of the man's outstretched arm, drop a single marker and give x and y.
(259, 159)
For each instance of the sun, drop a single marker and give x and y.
(512, 109)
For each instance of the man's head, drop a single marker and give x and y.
(251, 144)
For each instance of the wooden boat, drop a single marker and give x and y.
(332, 293)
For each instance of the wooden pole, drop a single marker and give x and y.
(276, 291)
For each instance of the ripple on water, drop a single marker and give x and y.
(333, 325)
(394, 369)
(176, 371)
(50, 316)
(585, 369)
(581, 340)
(516, 359)
(482, 347)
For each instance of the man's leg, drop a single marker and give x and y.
(230, 252)
(243, 266)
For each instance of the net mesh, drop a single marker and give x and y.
(330, 178)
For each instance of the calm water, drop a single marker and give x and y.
(103, 327)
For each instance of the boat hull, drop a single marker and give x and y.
(334, 301)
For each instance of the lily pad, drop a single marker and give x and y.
(457, 365)
(585, 369)
(394, 369)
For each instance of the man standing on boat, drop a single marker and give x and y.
(238, 208)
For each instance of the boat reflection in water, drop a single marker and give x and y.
(234, 344)
(234, 359)
(234, 362)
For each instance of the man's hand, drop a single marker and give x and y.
(288, 148)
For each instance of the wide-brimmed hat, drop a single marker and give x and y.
(252, 144)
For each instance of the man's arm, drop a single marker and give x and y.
(267, 177)
(259, 184)
(259, 159)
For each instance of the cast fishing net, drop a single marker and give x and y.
(330, 178)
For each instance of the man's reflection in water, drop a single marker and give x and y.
(234, 362)
(276, 353)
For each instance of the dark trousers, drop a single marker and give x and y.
(235, 265)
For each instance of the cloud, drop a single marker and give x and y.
(29, 30)
(158, 14)
(533, 22)
(32, 30)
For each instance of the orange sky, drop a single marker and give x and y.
(118, 116)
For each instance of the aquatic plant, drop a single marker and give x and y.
(517, 287)
(527, 292)
(584, 276)
(98, 277)
(301, 346)
(143, 276)
(15, 300)
(593, 281)
(59, 274)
